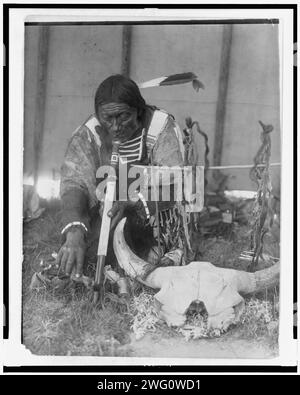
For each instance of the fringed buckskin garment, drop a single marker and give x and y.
(158, 142)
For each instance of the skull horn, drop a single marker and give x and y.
(267, 278)
(247, 283)
(135, 267)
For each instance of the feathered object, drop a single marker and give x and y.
(174, 79)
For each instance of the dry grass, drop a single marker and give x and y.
(58, 326)
(66, 323)
(56, 323)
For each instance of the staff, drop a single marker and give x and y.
(105, 224)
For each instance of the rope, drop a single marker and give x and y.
(241, 166)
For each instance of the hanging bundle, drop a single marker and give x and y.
(260, 175)
(190, 157)
(190, 145)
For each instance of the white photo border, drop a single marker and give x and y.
(14, 353)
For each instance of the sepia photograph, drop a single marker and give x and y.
(152, 177)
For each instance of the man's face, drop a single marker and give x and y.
(119, 120)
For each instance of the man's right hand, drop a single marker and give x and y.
(72, 252)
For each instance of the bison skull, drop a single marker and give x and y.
(219, 289)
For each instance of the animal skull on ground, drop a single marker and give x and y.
(219, 289)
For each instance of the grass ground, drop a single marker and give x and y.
(66, 323)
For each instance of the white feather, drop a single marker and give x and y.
(152, 83)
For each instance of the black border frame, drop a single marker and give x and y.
(133, 368)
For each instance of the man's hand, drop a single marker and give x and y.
(117, 211)
(72, 252)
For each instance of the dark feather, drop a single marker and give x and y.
(179, 79)
(197, 85)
